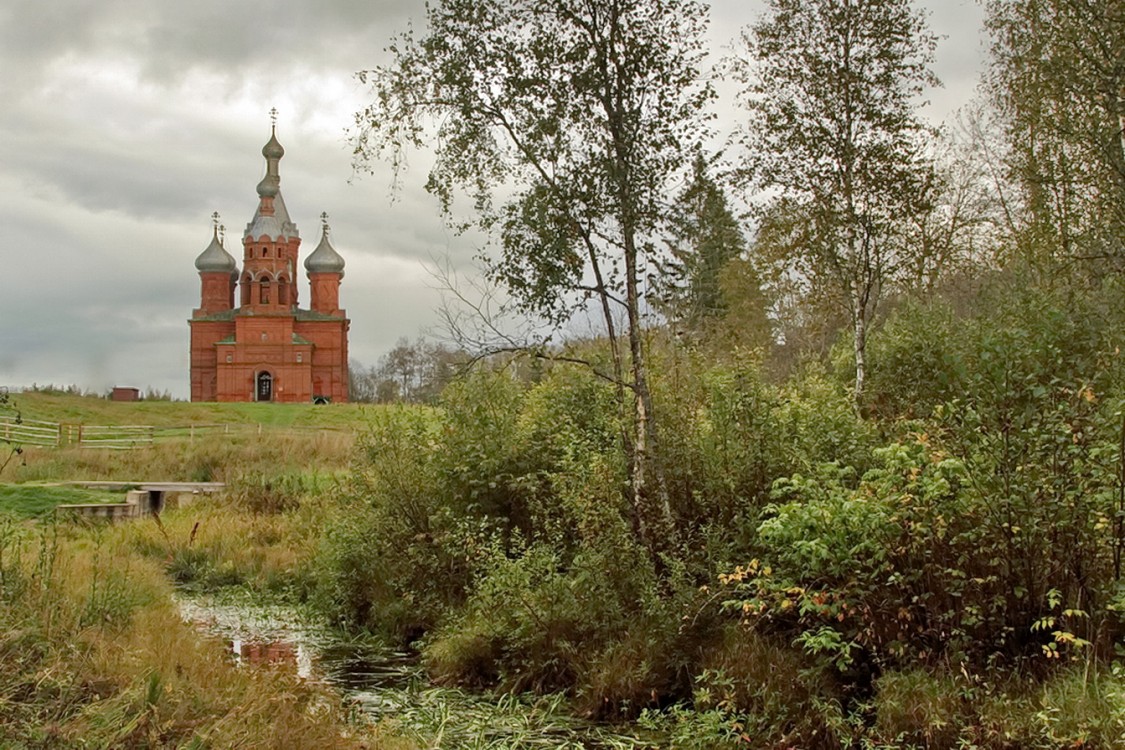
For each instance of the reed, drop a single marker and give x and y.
(94, 653)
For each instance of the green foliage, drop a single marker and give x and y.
(752, 686)
(706, 238)
(917, 362)
(582, 115)
(834, 132)
(594, 625)
(973, 528)
(1058, 86)
(479, 457)
(819, 424)
(533, 617)
(926, 709)
(986, 534)
(914, 565)
(721, 449)
(728, 435)
(591, 110)
(436, 494)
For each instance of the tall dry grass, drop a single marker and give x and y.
(217, 542)
(217, 458)
(93, 653)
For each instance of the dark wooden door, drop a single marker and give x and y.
(265, 387)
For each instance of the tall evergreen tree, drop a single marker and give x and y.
(705, 237)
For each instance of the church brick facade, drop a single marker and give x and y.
(268, 348)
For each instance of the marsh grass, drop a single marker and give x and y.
(93, 653)
(218, 458)
(1076, 707)
(442, 717)
(215, 543)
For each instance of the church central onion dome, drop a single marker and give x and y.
(216, 258)
(269, 186)
(271, 221)
(325, 259)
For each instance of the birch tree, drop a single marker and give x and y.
(566, 121)
(832, 89)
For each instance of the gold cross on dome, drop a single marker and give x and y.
(273, 117)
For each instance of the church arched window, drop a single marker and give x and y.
(246, 289)
(264, 293)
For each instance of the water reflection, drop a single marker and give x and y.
(274, 652)
(388, 684)
(278, 636)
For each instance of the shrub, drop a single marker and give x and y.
(916, 361)
(595, 627)
(537, 615)
(479, 459)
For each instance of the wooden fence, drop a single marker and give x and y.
(31, 432)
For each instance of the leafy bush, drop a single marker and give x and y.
(479, 458)
(395, 558)
(722, 445)
(916, 362)
(595, 627)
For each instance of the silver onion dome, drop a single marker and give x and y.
(324, 259)
(216, 258)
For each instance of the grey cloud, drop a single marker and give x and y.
(172, 38)
(126, 124)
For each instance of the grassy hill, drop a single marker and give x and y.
(292, 439)
(73, 409)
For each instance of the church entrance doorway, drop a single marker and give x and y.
(265, 387)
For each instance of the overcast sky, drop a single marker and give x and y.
(125, 123)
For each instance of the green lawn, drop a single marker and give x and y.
(32, 501)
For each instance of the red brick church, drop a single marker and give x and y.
(268, 348)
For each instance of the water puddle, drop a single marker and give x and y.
(385, 684)
(262, 634)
